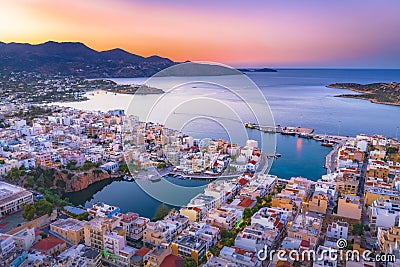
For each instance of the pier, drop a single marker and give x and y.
(290, 130)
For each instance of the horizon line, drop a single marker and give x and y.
(235, 65)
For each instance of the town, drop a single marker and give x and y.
(31, 87)
(47, 151)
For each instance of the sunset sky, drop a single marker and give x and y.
(280, 33)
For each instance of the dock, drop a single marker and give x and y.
(290, 130)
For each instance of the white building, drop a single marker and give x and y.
(25, 238)
(13, 198)
(113, 242)
(384, 213)
(323, 258)
(7, 246)
(338, 230)
(252, 143)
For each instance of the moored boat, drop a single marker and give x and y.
(128, 178)
(288, 132)
(328, 144)
(305, 135)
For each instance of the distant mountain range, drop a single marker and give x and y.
(74, 58)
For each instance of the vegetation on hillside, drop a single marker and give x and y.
(381, 93)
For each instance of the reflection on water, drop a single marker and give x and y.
(299, 144)
(295, 96)
(127, 195)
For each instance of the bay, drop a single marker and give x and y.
(297, 97)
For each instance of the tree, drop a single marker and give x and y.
(83, 216)
(161, 212)
(43, 207)
(391, 150)
(358, 229)
(87, 166)
(190, 262)
(161, 165)
(29, 181)
(28, 212)
(226, 234)
(247, 213)
(43, 235)
(279, 188)
(14, 174)
(123, 168)
(71, 165)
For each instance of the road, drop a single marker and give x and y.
(363, 173)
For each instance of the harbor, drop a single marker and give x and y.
(287, 130)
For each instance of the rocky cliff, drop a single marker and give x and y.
(76, 181)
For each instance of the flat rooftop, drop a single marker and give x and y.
(68, 224)
(7, 189)
(190, 242)
(9, 193)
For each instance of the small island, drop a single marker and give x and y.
(380, 93)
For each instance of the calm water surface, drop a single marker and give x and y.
(296, 97)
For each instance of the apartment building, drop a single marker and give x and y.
(338, 230)
(319, 202)
(256, 236)
(221, 218)
(25, 238)
(306, 227)
(389, 239)
(69, 229)
(373, 193)
(80, 255)
(204, 231)
(384, 213)
(13, 198)
(238, 257)
(132, 224)
(349, 207)
(189, 246)
(7, 246)
(156, 233)
(95, 229)
(195, 214)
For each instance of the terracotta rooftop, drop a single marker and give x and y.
(172, 261)
(142, 251)
(246, 202)
(243, 181)
(48, 243)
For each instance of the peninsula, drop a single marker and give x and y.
(380, 93)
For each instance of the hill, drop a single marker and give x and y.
(74, 58)
(381, 93)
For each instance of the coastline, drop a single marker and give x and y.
(372, 100)
(373, 90)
